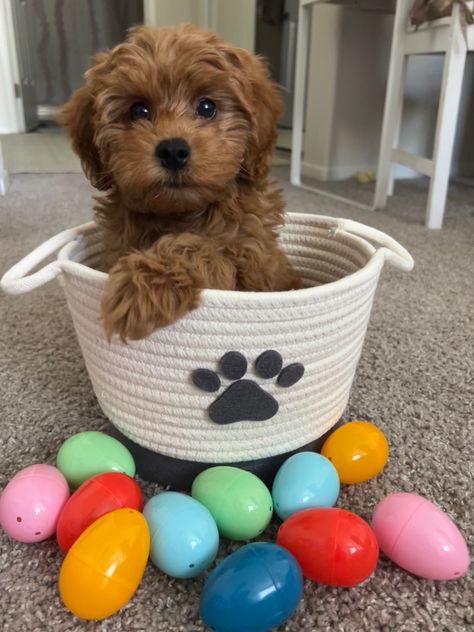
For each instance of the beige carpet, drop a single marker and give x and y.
(415, 380)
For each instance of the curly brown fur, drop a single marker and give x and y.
(212, 224)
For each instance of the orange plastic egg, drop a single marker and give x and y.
(358, 450)
(104, 566)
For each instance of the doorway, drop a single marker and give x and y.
(275, 39)
(55, 41)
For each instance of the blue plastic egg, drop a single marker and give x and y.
(255, 589)
(304, 481)
(184, 535)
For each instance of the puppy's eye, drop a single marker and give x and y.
(139, 111)
(206, 108)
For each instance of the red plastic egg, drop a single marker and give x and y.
(332, 546)
(96, 497)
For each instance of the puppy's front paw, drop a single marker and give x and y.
(139, 299)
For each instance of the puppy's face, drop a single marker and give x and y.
(173, 118)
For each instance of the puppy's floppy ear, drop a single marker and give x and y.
(78, 116)
(262, 100)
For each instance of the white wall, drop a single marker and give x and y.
(346, 93)
(166, 12)
(11, 111)
(234, 20)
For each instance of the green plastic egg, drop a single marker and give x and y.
(89, 453)
(239, 502)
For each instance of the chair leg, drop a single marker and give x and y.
(393, 105)
(453, 73)
(391, 128)
(398, 123)
(299, 96)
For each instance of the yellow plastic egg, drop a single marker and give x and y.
(104, 566)
(358, 450)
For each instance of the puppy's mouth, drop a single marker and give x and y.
(175, 185)
(176, 182)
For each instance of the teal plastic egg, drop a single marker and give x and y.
(184, 535)
(304, 481)
(255, 589)
(89, 453)
(239, 501)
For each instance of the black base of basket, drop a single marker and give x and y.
(180, 474)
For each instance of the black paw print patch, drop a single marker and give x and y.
(244, 399)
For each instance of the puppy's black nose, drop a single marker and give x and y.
(173, 153)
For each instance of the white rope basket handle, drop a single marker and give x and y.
(390, 249)
(18, 281)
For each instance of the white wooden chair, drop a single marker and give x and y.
(440, 36)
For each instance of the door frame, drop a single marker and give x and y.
(12, 119)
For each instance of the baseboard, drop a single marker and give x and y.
(316, 172)
(4, 182)
(339, 172)
(343, 172)
(463, 169)
(48, 113)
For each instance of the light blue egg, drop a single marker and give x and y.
(184, 535)
(305, 480)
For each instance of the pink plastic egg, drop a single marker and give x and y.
(419, 537)
(31, 503)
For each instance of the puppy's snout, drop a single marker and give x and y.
(173, 153)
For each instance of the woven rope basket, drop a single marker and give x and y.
(145, 387)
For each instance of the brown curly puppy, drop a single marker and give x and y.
(179, 127)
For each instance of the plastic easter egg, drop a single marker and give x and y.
(305, 480)
(358, 450)
(419, 537)
(86, 454)
(332, 546)
(239, 501)
(104, 566)
(31, 503)
(99, 495)
(184, 535)
(255, 589)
